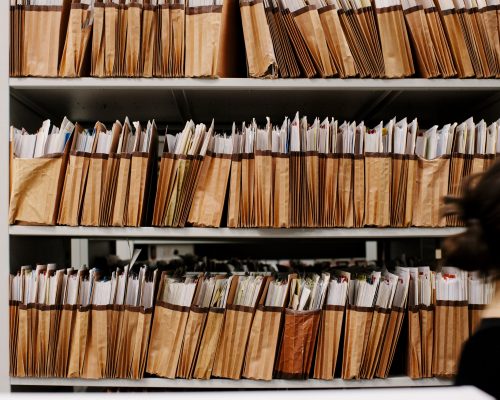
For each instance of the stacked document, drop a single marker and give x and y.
(38, 165)
(53, 306)
(300, 173)
(302, 320)
(330, 331)
(237, 326)
(481, 290)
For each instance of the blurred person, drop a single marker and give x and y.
(478, 248)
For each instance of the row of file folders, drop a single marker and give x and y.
(297, 174)
(68, 323)
(278, 38)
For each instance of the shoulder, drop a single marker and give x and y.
(479, 359)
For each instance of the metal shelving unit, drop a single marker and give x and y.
(27, 100)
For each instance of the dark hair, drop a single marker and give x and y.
(478, 207)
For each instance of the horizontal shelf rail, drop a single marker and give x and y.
(400, 381)
(253, 84)
(231, 233)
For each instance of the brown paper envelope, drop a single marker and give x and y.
(491, 25)
(42, 39)
(306, 212)
(263, 189)
(78, 343)
(286, 45)
(22, 353)
(203, 27)
(457, 43)
(367, 29)
(415, 343)
(133, 43)
(115, 318)
(167, 333)
(355, 42)
(36, 189)
(122, 191)
(443, 53)
(337, 42)
(55, 324)
(148, 40)
(137, 191)
(127, 337)
(99, 40)
(262, 343)
(181, 164)
(191, 342)
(41, 344)
(345, 196)
(141, 325)
(330, 192)
(232, 345)
(208, 345)
(281, 45)
(261, 59)
(398, 189)
(375, 342)
(457, 170)
(234, 203)
(390, 341)
(281, 195)
(394, 39)
(94, 366)
(160, 199)
(451, 331)
(177, 49)
(321, 188)
(75, 45)
(420, 36)
(312, 185)
(73, 189)
(294, 188)
(327, 350)
(186, 194)
(478, 164)
(165, 40)
(105, 45)
(297, 344)
(427, 335)
(32, 339)
(431, 185)
(247, 190)
(91, 208)
(13, 335)
(309, 24)
(484, 45)
(356, 332)
(208, 190)
(377, 189)
(411, 163)
(475, 316)
(359, 191)
(300, 48)
(170, 189)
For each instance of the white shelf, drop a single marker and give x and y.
(131, 84)
(229, 233)
(402, 381)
